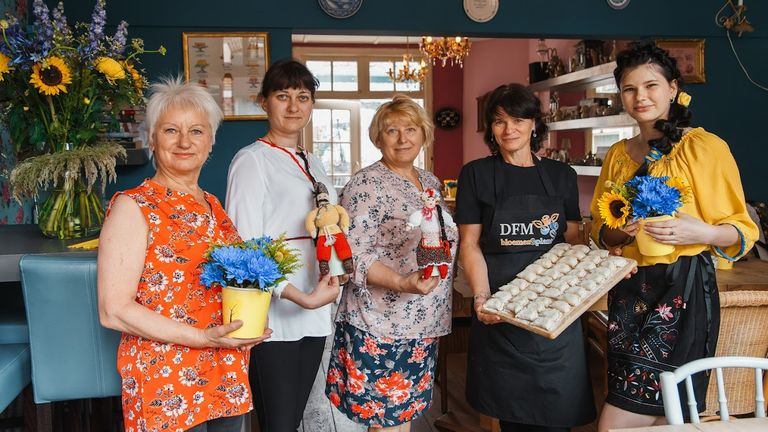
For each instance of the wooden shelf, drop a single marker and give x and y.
(591, 171)
(618, 120)
(579, 80)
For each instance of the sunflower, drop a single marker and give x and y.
(4, 68)
(51, 76)
(682, 186)
(614, 209)
(110, 68)
(138, 81)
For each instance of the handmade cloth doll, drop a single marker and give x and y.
(328, 224)
(433, 254)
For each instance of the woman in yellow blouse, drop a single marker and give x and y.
(668, 313)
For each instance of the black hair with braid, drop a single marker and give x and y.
(646, 52)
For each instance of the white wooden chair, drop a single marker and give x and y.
(669, 381)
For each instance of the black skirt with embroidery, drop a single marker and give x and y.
(664, 316)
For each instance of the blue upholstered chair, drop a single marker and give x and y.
(14, 372)
(13, 321)
(73, 356)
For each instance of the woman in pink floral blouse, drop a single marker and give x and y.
(385, 346)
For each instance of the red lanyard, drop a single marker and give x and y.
(293, 156)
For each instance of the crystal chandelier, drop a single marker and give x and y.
(406, 73)
(445, 49)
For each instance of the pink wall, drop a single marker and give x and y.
(447, 155)
(489, 64)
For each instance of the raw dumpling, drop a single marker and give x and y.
(586, 265)
(528, 295)
(545, 280)
(572, 278)
(536, 287)
(579, 291)
(568, 260)
(575, 254)
(562, 267)
(510, 289)
(546, 263)
(547, 324)
(536, 268)
(561, 306)
(541, 303)
(560, 284)
(595, 277)
(616, 261)
(556, 251)
(529, 313)
(563, 246)
(493, 305)
(589, 284)
(554, 273)
(593, 259)
(580, 248)
(552, 292)
(517, 305)
(504, 296)
(571, 298)
(599, 252)
(551, 313)
(528, 275)
(519, 283)
(550, 256)
(577, 273)
(603, 272)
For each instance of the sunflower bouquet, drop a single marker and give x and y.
(61, 87)
(642, 197)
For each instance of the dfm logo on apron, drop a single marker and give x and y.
(546, 228)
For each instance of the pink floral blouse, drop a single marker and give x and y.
(379, 203)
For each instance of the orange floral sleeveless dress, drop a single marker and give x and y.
(169, 387)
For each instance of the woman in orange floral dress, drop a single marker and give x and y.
(179, 369)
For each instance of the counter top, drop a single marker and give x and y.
(19, 240)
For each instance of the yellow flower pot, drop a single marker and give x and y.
(249, 305)
(647, 245)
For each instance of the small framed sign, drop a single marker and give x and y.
(232, 67)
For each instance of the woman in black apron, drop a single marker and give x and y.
(668, 313)
(512, 207)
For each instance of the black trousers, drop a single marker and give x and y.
(518, 427)
(281, 376)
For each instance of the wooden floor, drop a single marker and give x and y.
(321, 416)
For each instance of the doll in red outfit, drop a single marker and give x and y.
(433, 254)
(329, 224)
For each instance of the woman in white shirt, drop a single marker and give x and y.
(271, 187)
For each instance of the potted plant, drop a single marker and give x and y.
(247, 271)
(60, 90)
(648, 198)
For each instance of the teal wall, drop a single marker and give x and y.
(726, 104)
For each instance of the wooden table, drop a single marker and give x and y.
(751, 274)
(733, 425)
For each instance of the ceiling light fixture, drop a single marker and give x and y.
(445, 49)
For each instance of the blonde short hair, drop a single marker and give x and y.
(173, 92)
(403, 107)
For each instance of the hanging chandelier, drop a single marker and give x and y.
(445, 49)
(407, 73)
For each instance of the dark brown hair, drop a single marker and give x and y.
(288, 73)
(519, 102)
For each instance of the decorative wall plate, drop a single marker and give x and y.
(447, 118)
(340, 8)
(618, 4)
(481, 10)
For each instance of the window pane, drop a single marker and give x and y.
(323, 151)
(322, 71)
(341, 126)
(344, 76)
(321, 124)
(340, 181)
(379, 79)
(342, 159)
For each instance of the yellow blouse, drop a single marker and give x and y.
(705, 162)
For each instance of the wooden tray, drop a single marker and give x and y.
(574, 313)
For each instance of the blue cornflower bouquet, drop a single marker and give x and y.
(259, 263)
(642, 197)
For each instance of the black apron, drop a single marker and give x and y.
(513, 374)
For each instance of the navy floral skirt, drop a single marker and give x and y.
(380, 381)
(664, 316)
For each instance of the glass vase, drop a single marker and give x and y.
(71, 211)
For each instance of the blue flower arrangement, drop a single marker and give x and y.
(259, 263)
(642, 197)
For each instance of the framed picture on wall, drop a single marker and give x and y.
(232, 67)
(689, 54)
